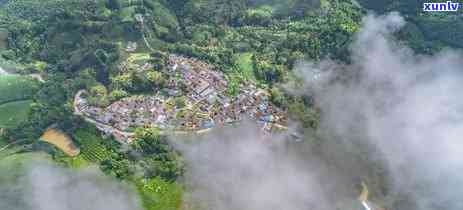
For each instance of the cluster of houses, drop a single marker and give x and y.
(206, 104)
(197, 79)
(137, 111)
(94, 115)
(207, 90)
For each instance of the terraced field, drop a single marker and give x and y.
(92, 148)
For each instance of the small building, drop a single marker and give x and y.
(200, 86)
(208, 91)
(131, 47)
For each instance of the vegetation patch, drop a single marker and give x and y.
(13, 113)
(2, 141)
(138, 58)
(158, 194)
(13, 166)
(245, 66)
(15, 88)
(3, 38)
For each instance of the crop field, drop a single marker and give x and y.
(92, 148)
(15, 88)
(13, 113)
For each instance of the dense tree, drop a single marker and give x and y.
(159, 158)
(117, 95)
(98, 96)
(114, 4)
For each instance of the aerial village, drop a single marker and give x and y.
(206, 104)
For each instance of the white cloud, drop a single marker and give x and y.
(407, 106)
(43, 186)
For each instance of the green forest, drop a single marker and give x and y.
(74, 45)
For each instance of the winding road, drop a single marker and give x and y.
(363, 198)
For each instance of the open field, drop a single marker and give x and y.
(13, 113)
(15, 88)
(245, 65)
(62, 141)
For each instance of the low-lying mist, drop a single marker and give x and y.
(43, 186)
(239, 168)
(406, 107)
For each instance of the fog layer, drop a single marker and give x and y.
(42, 186)
(407, 107)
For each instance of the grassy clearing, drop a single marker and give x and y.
(92, 148)
(13, 113)
(244, 63)
(62, 141)
(138, 57)
(157, 194)
(15, 88)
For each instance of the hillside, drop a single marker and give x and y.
(188, 101)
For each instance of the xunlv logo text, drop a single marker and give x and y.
(448, 6)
